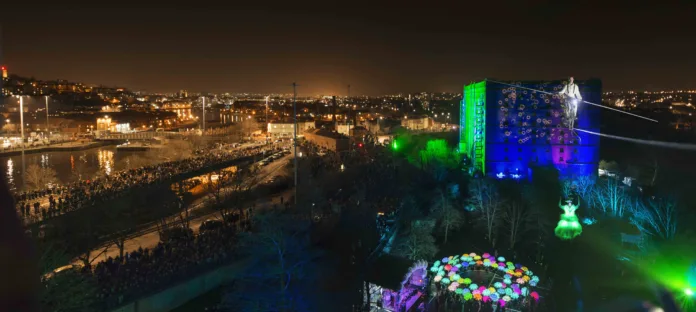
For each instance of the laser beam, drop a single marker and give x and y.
(595, 104)
(674, 145)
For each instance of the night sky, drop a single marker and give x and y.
(377, 48)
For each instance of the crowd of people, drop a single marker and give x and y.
(143, 271)
(45, 203)
(176, 258)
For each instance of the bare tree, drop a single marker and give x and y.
(39, 177)
(451, 218)
(88, 242)
(611, 198)
(215, 186)
(278, 276)
(10, 128)
(517, 218)
(184, 213)
(582, 186)
(485, 200)
(567, 187)
(419, 243)
(79, 171)
(656, 217)
(124, 226)
(249, 126)
(543, 230)
(235, 190)
(408, 212)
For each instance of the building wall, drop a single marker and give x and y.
(525, 128)
(344, 129)
(416, 123)
(287, 129)
(329, 143)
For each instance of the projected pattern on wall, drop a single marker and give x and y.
(505, 131)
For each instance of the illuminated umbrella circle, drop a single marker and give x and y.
(517, 280)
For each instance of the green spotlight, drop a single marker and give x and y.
(689, 292)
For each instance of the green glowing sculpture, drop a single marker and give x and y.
(568, 227)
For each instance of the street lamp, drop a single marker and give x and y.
(267, 97)
(47, 125)
(203, 125)
(21, 119)
(294, 109)
(21, 126)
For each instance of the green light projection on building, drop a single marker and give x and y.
(472, 134)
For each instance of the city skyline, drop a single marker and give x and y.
(377, 49)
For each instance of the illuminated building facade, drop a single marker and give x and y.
(328, 140)
(3, 92)
(506, 131)
(287, 129)
(417, 122)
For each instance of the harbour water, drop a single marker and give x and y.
(69, 165)
(86, 164)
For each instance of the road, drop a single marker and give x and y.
(150, 237)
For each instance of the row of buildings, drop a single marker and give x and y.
(337, 136)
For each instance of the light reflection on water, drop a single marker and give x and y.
(106, 161)
(10, 169)
(68, 165)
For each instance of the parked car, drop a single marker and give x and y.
(210, 224)
(176, 233)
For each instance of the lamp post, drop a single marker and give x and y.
(21, 119)
(350, 110)
(48, 132)
(203, 125)
(21, 127)
(294, 109)
(267, 97)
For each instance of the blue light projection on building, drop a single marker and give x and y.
(506, 131)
